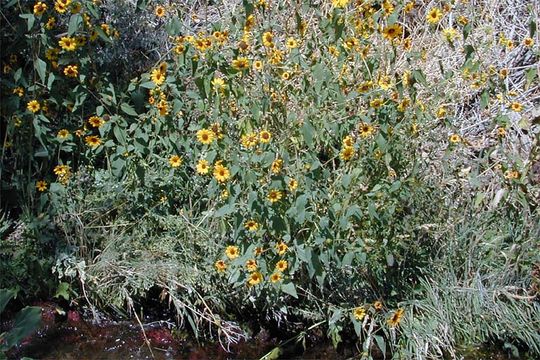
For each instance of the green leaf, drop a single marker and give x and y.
(419, 76)
(530, 75)
(30, 18)
(50, 80)
(532, 28)
(5, 296)
(469, 51)
(273, 355)
(74, 22)
(225, 210)
(390, 260)
(41, 68)
(102, 34)
(484, 99)
(466, 31)
(63, 291)
(148, 85)
(395, 186)
(289, 288)
(307, 132)
(120, 134)
(479, 199)
(381, 344)
(26, 322)
(336, 316)
(357, 326)
(173, 27)
(128, 109)
(248, 7)
(347, 259)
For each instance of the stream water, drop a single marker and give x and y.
(73, 338)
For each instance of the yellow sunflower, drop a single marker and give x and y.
(205, 136)
(93, 141)
(293, 184)
(249, 140)
(339, 3)
(274, 195)
(455, 138)
(396, 317)
(251, 225)
(282, 265)
(275, 277)
(347, 153)
(255, 278)
(33, 106)
(71, 71)
(160, 11)
(392, 32)
(434, 16)
(281, 248)
(376, 103)
(268, 39)
(528, 42)
(68, 43)
(157, 76)
(39, 8)
(232, 252)
(276, 166)
(240, 63)
(291, 43)
(365, 130)
(41, 186)
(251, 265)
(258, 65)
(175, 161)
(265, 136)
(221, 173)
(516, 106)
(96, 121)
(62, 134)
(359, 313)
(61, 6)
(203, 167)
(220, 265)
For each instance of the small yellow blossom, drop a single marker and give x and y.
(232, 252)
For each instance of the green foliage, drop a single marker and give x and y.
(25, 323)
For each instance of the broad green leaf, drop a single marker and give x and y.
(419, 76)
(26, 322)
(30, 18)
(381, 344)
(41, 68)
(120, 134)
(5, 296)
(74, 22)
(289, 288)
(225, 210)
(128, 109)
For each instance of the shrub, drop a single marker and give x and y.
(307, 166)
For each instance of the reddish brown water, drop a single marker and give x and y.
(74, 338)
(71, 337)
